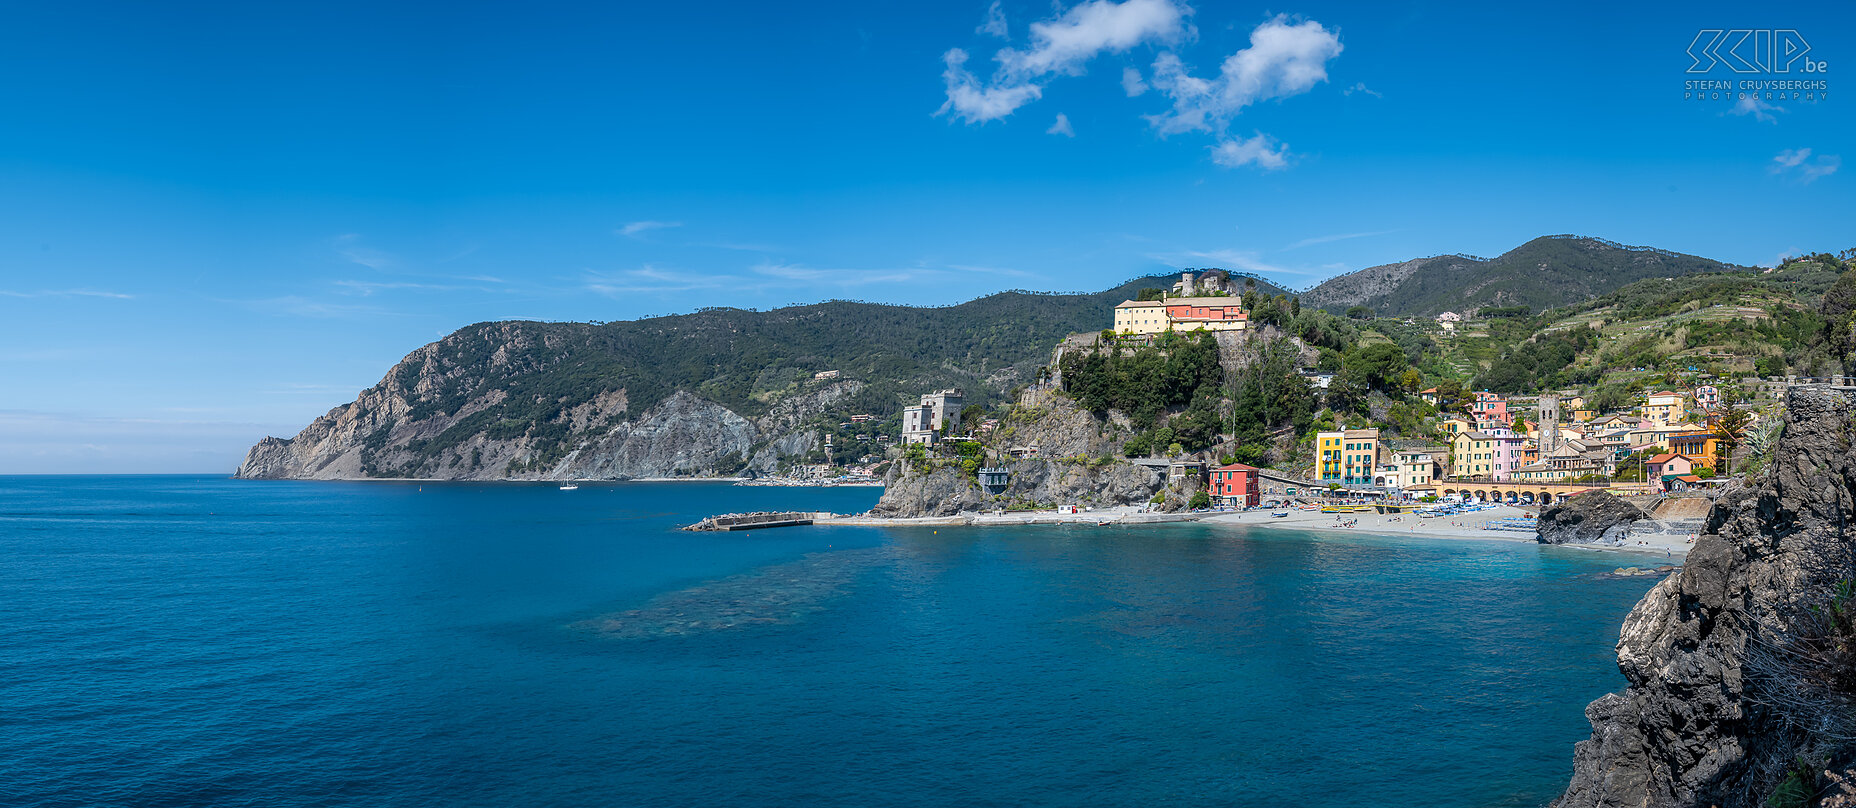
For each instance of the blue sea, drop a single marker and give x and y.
(199, 641)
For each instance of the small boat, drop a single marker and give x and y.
(570, 487)
(1279, 514)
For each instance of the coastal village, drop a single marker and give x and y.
(1683, 438)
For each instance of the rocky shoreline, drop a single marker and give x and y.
(1708, 719)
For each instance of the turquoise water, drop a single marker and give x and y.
(193, 641)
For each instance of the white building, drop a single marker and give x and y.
(918, 424)
(946, 409)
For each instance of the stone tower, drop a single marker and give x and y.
(1549, 423)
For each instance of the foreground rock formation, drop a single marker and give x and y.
(1706, 720)
(1594, 518)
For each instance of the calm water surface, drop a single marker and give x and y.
(191, 641)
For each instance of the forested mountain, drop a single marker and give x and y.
(513, 399)
(1544, 273)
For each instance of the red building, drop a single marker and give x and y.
(1236, 484)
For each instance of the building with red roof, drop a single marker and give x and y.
(1236, 484)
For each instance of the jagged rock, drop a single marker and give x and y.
(684, 435)
(947, 491)
(1695, 727)
(1593, 518)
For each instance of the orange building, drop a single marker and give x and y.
(1236, 484)
(1181, 314)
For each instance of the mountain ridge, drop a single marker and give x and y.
(1545, 272)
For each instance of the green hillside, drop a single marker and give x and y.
(1547, 272)
(1721, 324)
(747, 360)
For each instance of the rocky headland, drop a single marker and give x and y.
(1742, 666)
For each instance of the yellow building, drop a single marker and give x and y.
(1327, 455)
(1664, 408)
(1181, 314)
(1349, 457)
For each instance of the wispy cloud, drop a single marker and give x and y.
(994, 25)
(1061, 45)
(1360, 87)
(638, 229)
(67, 293)
(769, 276)
(655, 279)
(1801, 165)
(1061, 127)
(844, 278)
(1246, 260)
(1760, 110)
(35, 442)
(743, 247)
(1262, 151)
(1131, 82)
(350, 248)
(299, 306)
(462, 283)
(1309, 242)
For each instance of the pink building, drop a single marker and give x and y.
(1490, 408)
(1510, 453)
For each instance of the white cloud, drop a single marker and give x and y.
(995, 22)
(1131, 82)
(1261, 150)
(974, 103)
(638, 229)
(1061, 127)
(1058, 46)
(1799, 164)
(1284, 59)
(1360, 87)
(1062, 45)
(1760, 110)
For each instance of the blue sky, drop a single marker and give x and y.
(217, 222)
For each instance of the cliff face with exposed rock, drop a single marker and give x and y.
(443, 413)
(1709, 719)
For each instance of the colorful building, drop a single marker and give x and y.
(1663, 408)
(1421, 466)
(1327, 455)
(1181, 314)
(1359, 457)
(1237, 485)
(1489, 408)
(1490, 454)
(1666, 467)
(1698, 447)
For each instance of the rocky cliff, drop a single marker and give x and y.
(948, 490)
(1741, 667)
(1594, 518)
(467, 408)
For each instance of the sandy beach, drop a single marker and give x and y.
(1465, 526)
